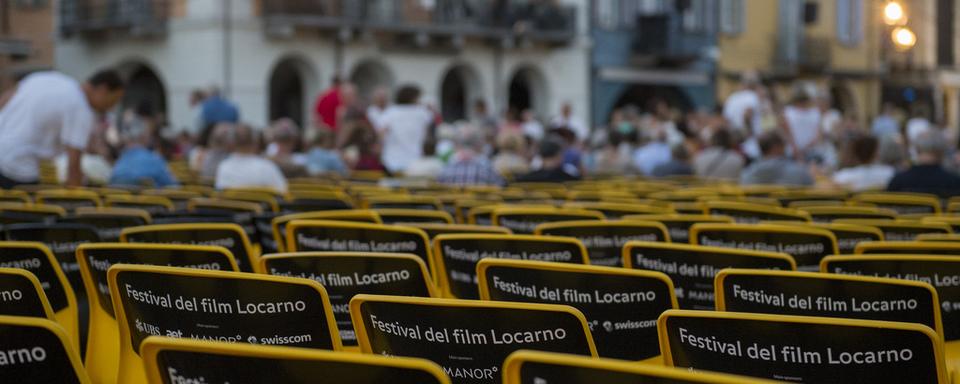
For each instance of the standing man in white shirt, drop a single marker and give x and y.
(568, 121)
(404, 127)
(49, 112)
(742, 108)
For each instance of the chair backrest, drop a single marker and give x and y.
(754, 213)
(471, 338)
(900, 230)
(678, 225)
(397, 215)
(103, 346)
(38, 351)
(621, 305)
(529, 367)
(22, 295)
(347, 274)
(823, 214)
(909, 247)
(604, 240)
(185, 359)
(828, 295)
(526, 220)
(109, 221)
(37, 259)
(151, 204)
(218, 306)
(227, 235)
(806, 245)
(902, 203)
(802, 348)
(279, 223)
(939, 271)
(456, 256)
(338, 236)
(69, 200)
(62, 240)
(848, 235)
(434, 229)
(692, 268)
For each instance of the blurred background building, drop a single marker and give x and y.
(274, 57)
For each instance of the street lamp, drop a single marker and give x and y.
(903, 38)
(893, 14)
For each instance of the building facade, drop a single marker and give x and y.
(835, 43)
(26, 41)
(644, 50)
(274, 57)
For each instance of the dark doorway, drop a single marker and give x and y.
(286, 93)
(454, 96)
(145, 92)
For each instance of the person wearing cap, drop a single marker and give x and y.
(927, 174)
(553, 168)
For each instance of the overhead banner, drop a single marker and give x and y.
(345, 275)
(174, 361)
(802, 349)
(621, 305)
(942, 272)
(457, 256)
(468, 339)
(828, 295)
(806, 245)
(604, 240)
(22, 295)
(530, 367)
(229, 236)
(692, 268)
(37, 351)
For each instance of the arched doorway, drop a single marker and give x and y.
(458, 89)
(145, 93)
(290, 89)
(369, 75)
(527, 90)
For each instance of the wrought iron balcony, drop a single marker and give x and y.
(136, 17)
(442, 18)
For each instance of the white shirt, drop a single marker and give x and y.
(375, 115)
(916, 127)
(533, 129)
(736, 106)
(47, 112)
(404, 130)
(245, 170)
(864, 177)
(649, 156)
(572, 123)
(804, 124)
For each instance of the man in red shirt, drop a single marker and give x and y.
(328, 103)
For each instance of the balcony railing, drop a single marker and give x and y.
(812, 55)
(14, 47)
(136, 17)
(449, 18)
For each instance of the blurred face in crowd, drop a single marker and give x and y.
(101, 98)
